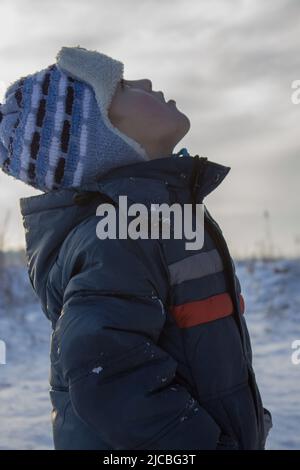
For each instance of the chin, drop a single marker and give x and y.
(188, 123)
(184, 125)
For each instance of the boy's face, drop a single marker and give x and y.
(146, 117)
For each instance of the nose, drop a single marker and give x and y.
(148, 84)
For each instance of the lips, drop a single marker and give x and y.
(163, 98)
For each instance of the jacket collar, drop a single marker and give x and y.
(134, 179)
(158, 174)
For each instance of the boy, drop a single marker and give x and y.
(149, 349)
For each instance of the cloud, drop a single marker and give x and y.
(228, 64)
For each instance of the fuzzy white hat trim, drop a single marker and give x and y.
(103, 74)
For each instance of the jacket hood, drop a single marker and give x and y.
(48, 218)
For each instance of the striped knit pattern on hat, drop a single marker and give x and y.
(54, 129)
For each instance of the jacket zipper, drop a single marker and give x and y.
(215, 232)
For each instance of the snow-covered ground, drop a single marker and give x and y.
(272, 296)
(24, 398)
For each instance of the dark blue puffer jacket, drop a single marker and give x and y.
(149, 348)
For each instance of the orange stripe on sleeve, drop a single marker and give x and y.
(204, 311)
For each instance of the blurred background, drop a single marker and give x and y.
(230, 65)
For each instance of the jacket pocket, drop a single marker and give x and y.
(228, 438)
(234, 411)
(227, 442)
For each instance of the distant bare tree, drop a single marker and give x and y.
(3, 277)
(297, 244)
(3, 233)
(269, 249)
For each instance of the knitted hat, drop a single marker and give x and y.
(54, 126)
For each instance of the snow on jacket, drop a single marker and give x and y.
(149, 348)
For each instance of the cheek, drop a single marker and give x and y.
(152, 110)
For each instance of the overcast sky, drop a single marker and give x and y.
(229, 64)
